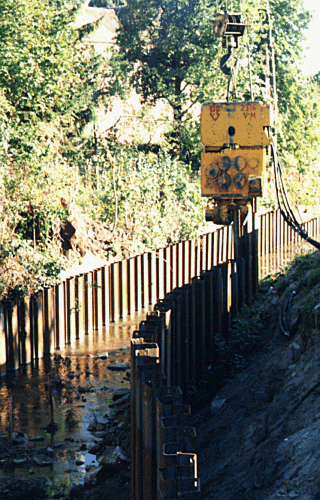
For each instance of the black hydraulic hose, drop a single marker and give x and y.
(285, 314)
(284, 205)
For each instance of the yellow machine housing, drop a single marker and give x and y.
(235, 137)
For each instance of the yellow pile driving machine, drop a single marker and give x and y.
(235, 137)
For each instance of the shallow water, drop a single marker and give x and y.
(82, 388)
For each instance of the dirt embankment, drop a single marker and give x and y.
(259, 439)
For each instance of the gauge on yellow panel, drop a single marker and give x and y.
(253, 163)
(224, 163)
(239, 163)
(213, 171)
(240, 180)
(224, 180)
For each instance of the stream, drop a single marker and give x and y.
(76, 385)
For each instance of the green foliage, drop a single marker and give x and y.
(54, 162)
(169, 48)
(25, 270)
(153, 199)
(172, 54)
(107, 4)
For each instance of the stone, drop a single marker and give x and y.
(119, 393)
(102, 355)
(91, 475)
(121, 367)
(81, 389)
(19, 438)
(97, 426)
(119, 456)
(19, 461)
(43, 461)
(217, 403)
(79, 460)
(118, 402)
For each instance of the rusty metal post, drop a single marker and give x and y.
(131, 286)
(12, 347)
(210, 308)
(192, 343)
(267, 243)
(70, 311)
(145, 280)
(280, 243)
(3, 340)
(123, 288)
(186, 262)
(198, 255)
(255, 261)
(179, 345)
(180, 264)
(215, 248)
(60, 315)
(152, 260)
(49, 331)
(204, 254)
(165, 307)
(259, 224)
(142, 354)
(115, 291)
(249, 274)
(173, 268)
(167, 270)
(80, 306)
(37, 324)
(97, 299)
(88, 279)
(138, 283)
(234, 288)
(192, 259)
(177, 468)
(150, 391)
(105, 296)
(25, 336)
(201, 346)
(209, 251)
(161, 273)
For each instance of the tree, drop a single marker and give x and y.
(170, 49)
(45, 96)
(46, 84)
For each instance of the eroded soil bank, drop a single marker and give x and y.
(259, 439)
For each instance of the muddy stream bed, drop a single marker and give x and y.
(85, 388)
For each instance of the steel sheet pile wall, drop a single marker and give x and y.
(33, 327)
(279, 243)
(197, 286)
(162, 439)
(181, 333)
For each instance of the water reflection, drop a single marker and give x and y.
(74, 386)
